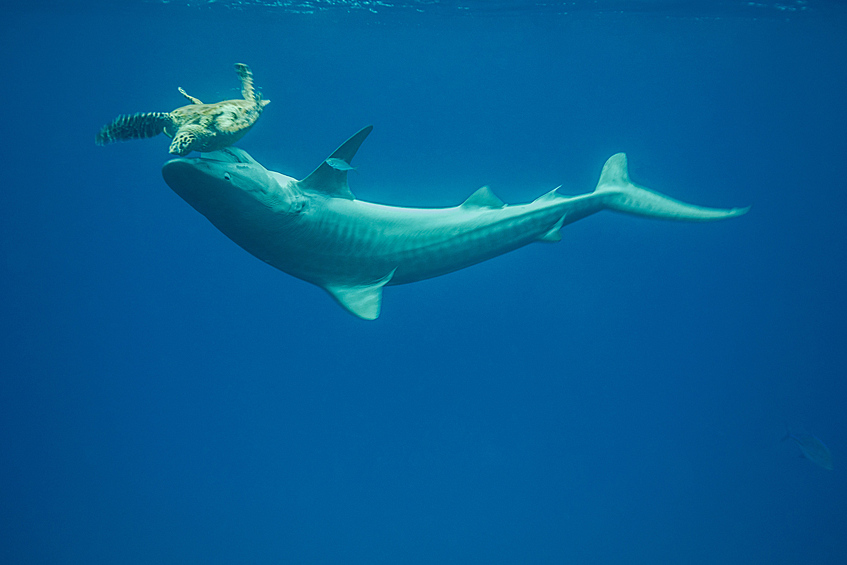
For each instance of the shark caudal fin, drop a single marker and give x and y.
(623, 196)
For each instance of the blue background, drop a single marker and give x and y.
(618, 397)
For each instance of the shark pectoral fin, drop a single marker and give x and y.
(363, 301)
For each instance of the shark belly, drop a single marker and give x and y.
(352, 242)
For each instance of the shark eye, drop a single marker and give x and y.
(227, 177)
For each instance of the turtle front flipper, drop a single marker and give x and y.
(185, 139)
(134, 126)
(246, 76)
(193, 100)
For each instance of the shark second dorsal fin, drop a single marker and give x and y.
(332, 180)
(362, 300)
(483, 198)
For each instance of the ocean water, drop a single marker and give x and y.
(618, 397)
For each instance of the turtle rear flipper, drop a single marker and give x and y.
(246, 76)
(193, 100)
(134, 126)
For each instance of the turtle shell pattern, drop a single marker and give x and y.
(197, 126)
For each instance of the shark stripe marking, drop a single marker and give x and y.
(315, 230)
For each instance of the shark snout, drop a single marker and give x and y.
(178, 169)
(190, 177)
(214, 183)
(194, 171)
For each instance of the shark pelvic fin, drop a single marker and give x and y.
(363, 301)
(332, 180)
(482, 198)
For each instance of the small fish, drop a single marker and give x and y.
(340, 164)
(813, 449)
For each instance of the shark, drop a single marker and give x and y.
(316, 230)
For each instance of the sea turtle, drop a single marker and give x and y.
(196, 127)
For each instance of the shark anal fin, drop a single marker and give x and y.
(330, 180)
(554, 235)
(363, 301)
(483, 198)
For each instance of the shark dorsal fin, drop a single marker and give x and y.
(330, 180)
(483, 198)
(549, 196)
(362, 300)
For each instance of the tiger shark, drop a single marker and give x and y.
(316, 230)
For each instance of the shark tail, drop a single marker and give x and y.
(621, 195)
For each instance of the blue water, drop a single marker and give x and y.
(618, 397)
